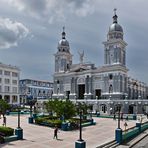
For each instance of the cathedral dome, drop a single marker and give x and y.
(115, 27)
(115, 30)
(63, 42)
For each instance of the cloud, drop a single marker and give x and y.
(53, 10)
(11, 32)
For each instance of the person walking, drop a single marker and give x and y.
(55, 133)
(114, 116)
(4, 121)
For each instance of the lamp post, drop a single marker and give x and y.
(119, 108)
(80, 133)
(118, 135)
(18, 125)
(31, 102)
(19, 130)
(80, 143)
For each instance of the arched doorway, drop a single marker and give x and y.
(81, 88)
(81, 92)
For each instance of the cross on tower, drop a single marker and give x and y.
(115, 9)
(63, 28)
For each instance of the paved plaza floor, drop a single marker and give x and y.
(42, 137)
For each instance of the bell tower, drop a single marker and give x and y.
(115, 46)
(63, 57)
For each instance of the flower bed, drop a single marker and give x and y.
(5, 132)
(70, 124)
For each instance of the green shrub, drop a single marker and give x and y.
(50, 123)
(53, 117)
(39, 120)
(57, 123)
(53, 123)
(7, 131)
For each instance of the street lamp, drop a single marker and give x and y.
(19, 130)
(80, 143)
(18, 125)
(119, 108)
(31, 102)
(80, 133)
(80, 115)
(118, 135)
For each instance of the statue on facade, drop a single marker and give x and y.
(81, 56)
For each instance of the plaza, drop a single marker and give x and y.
(42, 137)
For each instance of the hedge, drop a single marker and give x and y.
(7, 131)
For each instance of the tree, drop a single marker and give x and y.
(4, 106)
(84, 107)
(61, 108)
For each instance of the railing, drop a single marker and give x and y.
(134, 131)
(131, 133)
(144, 126)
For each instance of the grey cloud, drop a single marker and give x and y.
(11, 32)
(54, 10)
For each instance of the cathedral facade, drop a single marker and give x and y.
(106, 87)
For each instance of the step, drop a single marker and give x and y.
(105, 144)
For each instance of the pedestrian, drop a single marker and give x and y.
(127, 117)
(55, 133)
(114, 117)
(4, 121)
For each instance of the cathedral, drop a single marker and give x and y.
(104, 88)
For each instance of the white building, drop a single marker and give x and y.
(9, 83)
(104, 87)
(38, 89)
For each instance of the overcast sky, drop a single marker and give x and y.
(30, 31)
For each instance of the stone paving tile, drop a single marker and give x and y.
(42, 137)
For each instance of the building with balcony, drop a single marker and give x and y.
(38, 89)
(9, 83)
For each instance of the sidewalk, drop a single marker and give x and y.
(38, 136)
